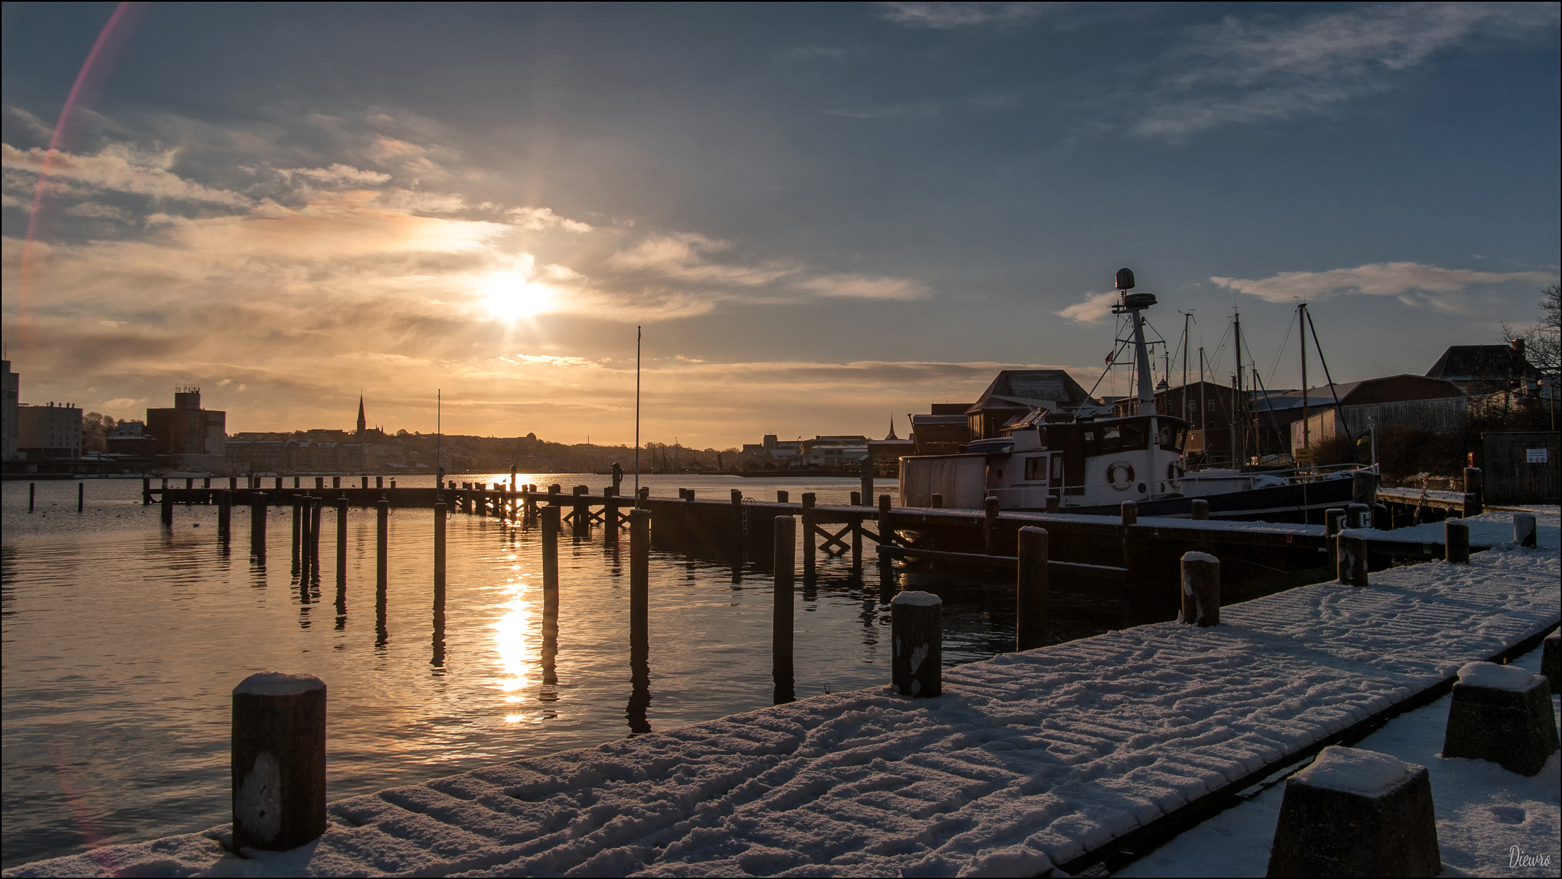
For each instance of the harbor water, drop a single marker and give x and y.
(122, 642)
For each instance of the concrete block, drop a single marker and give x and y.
(1356, 813)
(1501, 713)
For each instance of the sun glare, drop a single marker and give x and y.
(510, 296)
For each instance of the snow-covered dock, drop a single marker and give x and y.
(1028, 761)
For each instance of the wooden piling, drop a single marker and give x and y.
(867, 479)
(439, 548)
(1474, 492)
(856, 499)
(341, 543)
(785, 562)
(1030, 591)
(990, 525)
(382, 545)
(298, 526)
(224, 516)
(917, 630)
(550, 547)
(1352, 554)
(167, 512)
(1199, 508)
(886, 535)
(314, 534)
(610, 516)
(379, 482)
(319, 483)
(295, 482)
(781, 497)
(1200, 589)
(32, 495)
(233, 483)
(1333, 524)
(735, 549)
(1456, 537)
(146, 493)
(809, 550)
(644, 496)
(639, 577)
(257, 525)
(302, 559)
(189, 483)
(1130, 513)
(1052, 503)
(336, 482)
(278, 761)
(936, 501)
(581, 514)
(1524, 529)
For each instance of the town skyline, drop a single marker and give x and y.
(822, 218)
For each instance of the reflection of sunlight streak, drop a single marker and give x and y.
(516, 642)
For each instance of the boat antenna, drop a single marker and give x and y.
(1134, 305)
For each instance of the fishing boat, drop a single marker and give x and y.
(1087, 462)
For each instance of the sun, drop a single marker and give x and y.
(510, 296)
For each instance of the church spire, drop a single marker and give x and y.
(363, 424)
(892, 435)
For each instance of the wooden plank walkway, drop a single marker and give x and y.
(1057, 757)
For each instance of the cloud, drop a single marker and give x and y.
(116, 168)
(687, 257)
(948, 16)
(864, 287)
(539, 219)
(1093, 308)
(1255, 70)
(1401, 279)
(339, 175)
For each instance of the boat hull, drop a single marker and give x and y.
(1302, 502)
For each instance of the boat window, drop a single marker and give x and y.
(1057, 469)
(1121, 438)
(1036, 468)
(1173, 439)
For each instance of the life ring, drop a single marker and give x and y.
(1120, 474)
(1174, 471)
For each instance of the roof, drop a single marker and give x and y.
(1029, 388)
(1482, 363)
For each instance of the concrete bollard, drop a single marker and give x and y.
(1030, 590)
(1356, 813)
(990, 525)
(382, 545)
(1551, 661)
(1199, 509)
(439, 547)
(550, 548)
(1524, 529)
(1501, 713)
(1456, 539)
(1130, 513)
(1200, 589)
(781, 656)
(917, 629)
(1052, 503)
(1352, 555)
(278, 761)
(639, 577)
(1358, 516)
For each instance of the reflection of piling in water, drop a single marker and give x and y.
(639, 623)
(781, 655)
(550, 548)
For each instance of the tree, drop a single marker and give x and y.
(1543, 338)
(95, 428)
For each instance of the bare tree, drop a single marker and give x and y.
(1543, 343)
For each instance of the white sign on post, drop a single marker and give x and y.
(1535, 456)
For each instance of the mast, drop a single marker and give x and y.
(1203, 411)
(1185, 316)
(1301, 315)
(1239, 411)
(1135, 304)
(637, 416)
(439, 436)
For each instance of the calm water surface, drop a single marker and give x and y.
(122, 642)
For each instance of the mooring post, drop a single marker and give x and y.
(610, 516)
(1456, 537)
(233, 483)
(808, 537)
(167, 511)
(295, 482)
(315, 503)
(1474, 492)
(81, 496)
(781, 497)
(582, 512)
(439, 547)
(1524, 529)
(736, 549)
(1030, 590)
(856, 499)
(364, 483)
(1199, 508)
(781, 626)
(886, 536)
(550, 547)
(1363, 489)
(319, 483)
(257, 524)
(1333, 524)
(336, 482)
(990, 525)
(146, 493)
(381, 545)
(206, 482)
(224, 515)
(1052, 503)
(298, 525)
(867, 479)
(301, 507)
(1200, 589)
(917, 630)
(644, 497)
(341, 542)
(1358, 516)
(278, 761)
(936, 501)
(276, 483)
(189, 483)
(379, 482)
(1130, 513)
(1352, 554)
(639, 578)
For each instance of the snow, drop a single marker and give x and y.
(1027, 761)
(917, 599)
(1356, 771)
(277, 683)
(1199, 557)
(1491, 676)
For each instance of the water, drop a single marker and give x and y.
(122, 643)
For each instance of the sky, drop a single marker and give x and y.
(822, 217)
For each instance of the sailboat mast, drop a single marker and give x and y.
(1301, 329)
(1239, 426)
(1185, 316)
